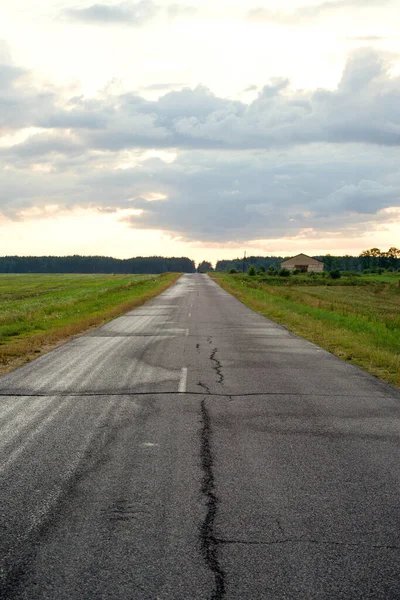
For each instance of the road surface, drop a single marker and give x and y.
(192, 449)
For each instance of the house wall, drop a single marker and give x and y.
(307, 268)
(315, 268)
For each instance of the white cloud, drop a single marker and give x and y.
(367, 38)
(365, 108)
(125, 13)
(306, 13)
(181, 10)
(5, 54)
(156, 87)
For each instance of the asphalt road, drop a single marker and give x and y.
(192, 449)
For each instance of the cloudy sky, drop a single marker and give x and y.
(202, 129)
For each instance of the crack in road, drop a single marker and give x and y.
(203, 385)
(280, 526)
(209, 543)
(11, 394)
(217, 367)
(305, 541)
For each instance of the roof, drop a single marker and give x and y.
(302, 259)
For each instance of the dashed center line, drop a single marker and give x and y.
(183, 380)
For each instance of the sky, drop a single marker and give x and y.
(199, 129)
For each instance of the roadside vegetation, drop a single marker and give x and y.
(356, 317)
(37, 312)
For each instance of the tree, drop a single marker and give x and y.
(370, 258)
(204, 267)
(375, 259)
(284, 272)
(392, 257)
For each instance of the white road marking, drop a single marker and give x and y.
(183, 380)
(190, 314)
(187, 332)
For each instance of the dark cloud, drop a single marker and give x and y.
(41, 145)
(20, 103)
(267, 196)
(290, 161)
(8, 76)
(125, 13)
(365, 197)
(219, 197)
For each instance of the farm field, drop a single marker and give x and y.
(357, 319)
(37, 312)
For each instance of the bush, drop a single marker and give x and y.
(252, 271)
(284, 273)
(233, 271)
(350, 274)
(336, 274)
(261, 270)
(272, 270)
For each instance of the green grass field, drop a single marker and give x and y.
(38, 312)
(357, 319)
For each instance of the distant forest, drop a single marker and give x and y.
(369, 260)
(372, 260)
(95, 264)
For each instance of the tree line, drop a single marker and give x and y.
(243, 264)
(369, 260)
(95, 264)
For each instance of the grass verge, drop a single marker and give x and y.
(40, 312)
(358, 323)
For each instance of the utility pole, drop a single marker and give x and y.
(244, 262)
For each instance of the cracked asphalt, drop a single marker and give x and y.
(192, 449)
